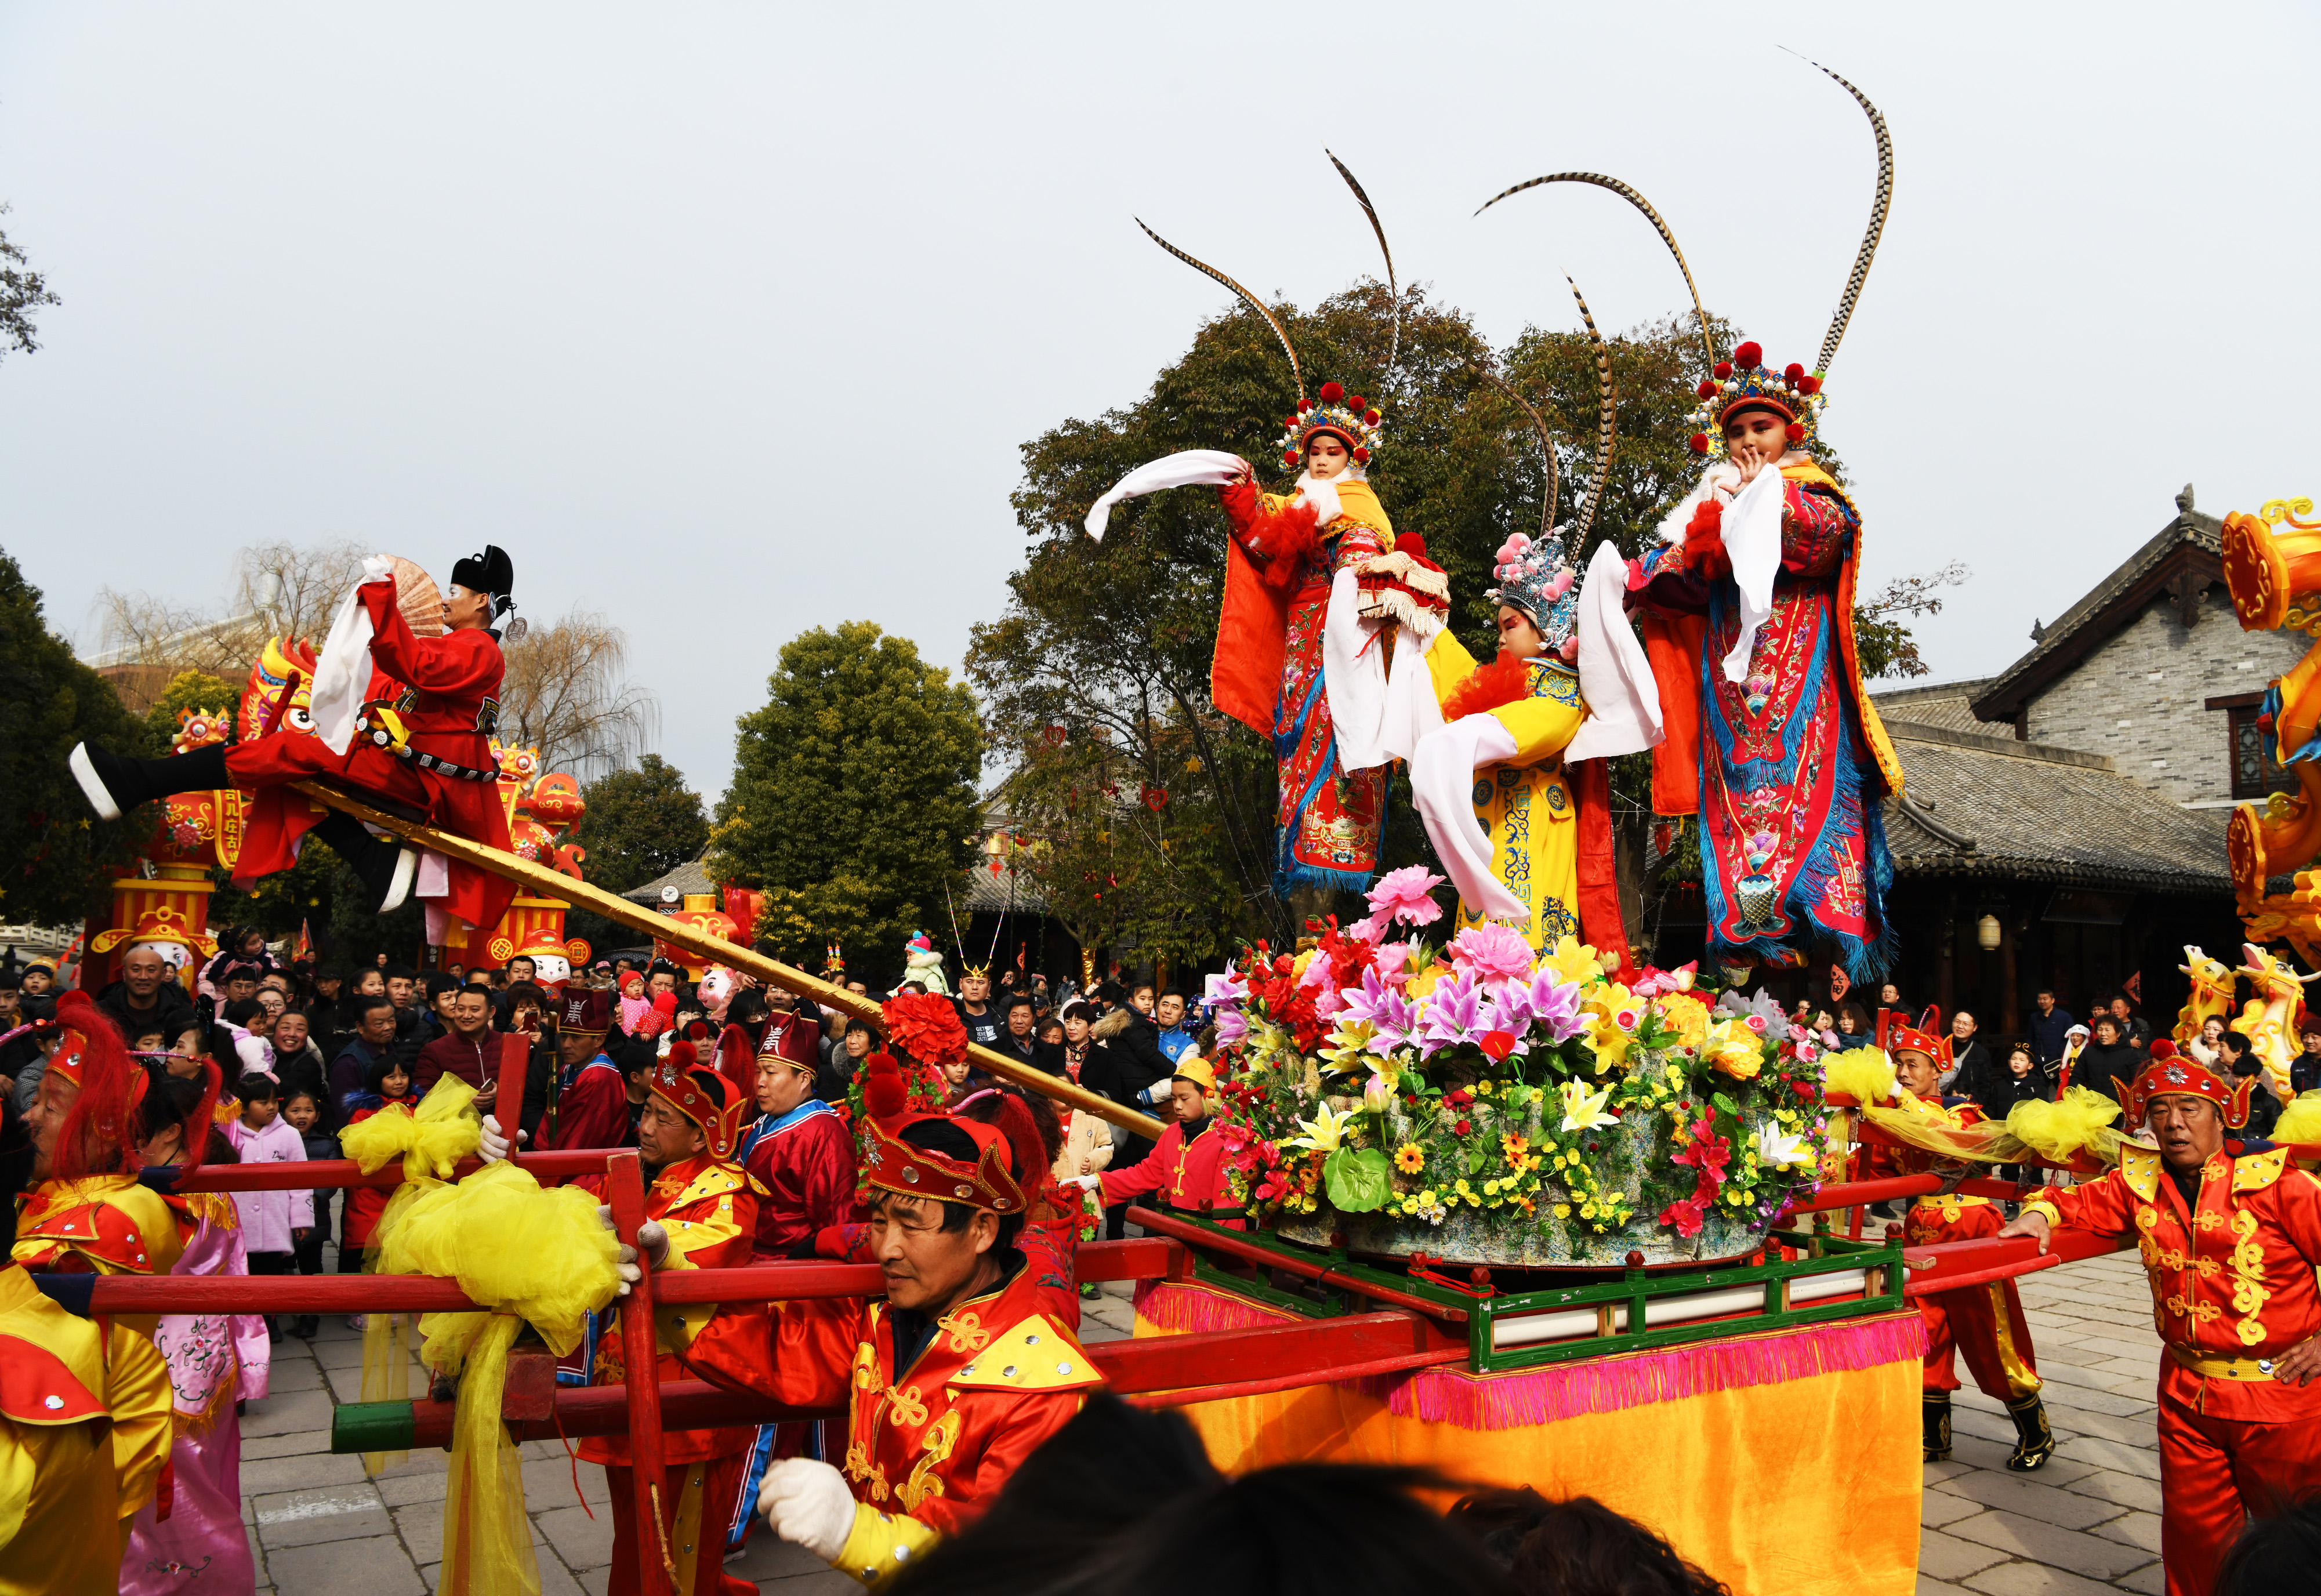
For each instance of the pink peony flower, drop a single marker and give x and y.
(1492, 953)
(1402, 895)
(1393, 958)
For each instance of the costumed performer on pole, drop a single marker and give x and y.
(397, 716)
(1514, 787)
(950, 1379)
(1747, 616)
(86, 1215)
(194, 1541)
(1298, 661)
(2231, 1244)
(1984, 1324)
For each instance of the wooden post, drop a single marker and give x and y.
(548, 883)
(624, 1186)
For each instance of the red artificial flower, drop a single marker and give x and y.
(1498, 1045)
(1458, 1097)
(1686, 1215)
(925, 1026)
(1463, 1127)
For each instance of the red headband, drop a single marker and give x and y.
(895, 1165)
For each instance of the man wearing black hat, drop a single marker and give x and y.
(421, 739)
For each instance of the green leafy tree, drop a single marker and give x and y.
(640, 824)
(23, 291)
(193, 690)
(57, 856)
(853, 799)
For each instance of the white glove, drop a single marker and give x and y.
(807, 1503)
(655, 1245)
(496, 1146)
(1085, 1182)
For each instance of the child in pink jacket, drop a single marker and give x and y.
(273, 1223)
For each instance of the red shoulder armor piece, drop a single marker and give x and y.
(37, 1387)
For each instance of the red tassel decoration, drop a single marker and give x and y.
(1507, 680)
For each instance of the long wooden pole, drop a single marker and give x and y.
(544, 882)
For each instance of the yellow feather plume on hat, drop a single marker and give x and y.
(1865, 1075)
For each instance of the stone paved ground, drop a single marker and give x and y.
(2086, 1522)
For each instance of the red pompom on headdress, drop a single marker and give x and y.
(884, 1095)
(1332, 393)
(104, 1127)
(1749, 354)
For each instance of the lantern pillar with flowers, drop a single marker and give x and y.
(200, 831)
(540, 809)
(2272, 566)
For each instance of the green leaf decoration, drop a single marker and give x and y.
(1359, 1181)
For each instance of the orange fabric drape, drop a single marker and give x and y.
(1600, 924)
(1673, 644)
(1252, 641)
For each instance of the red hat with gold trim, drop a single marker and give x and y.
(894, 1164)
(703, 1096)
(1901, 1036)
(2171, 1075)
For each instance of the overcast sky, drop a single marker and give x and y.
(729, 320)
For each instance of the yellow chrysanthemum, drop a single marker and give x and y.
(1684, 1015)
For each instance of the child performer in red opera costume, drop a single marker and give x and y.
(395, 716)
(707, 1208)
(1984, 1324)
(950, 1379)
(1186, 1164)
(2231, 1244)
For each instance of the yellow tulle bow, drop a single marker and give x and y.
(2301, 1122)
(2078, 1121)
(431, 1143)
(525, 1255)
(1865, 1075)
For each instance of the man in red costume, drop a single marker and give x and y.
(762, 1023)
(2231, 1244)
(800, 1151)
(707, 1210)
(592, 1100)
(1983, 1324)
(950, 1380)
(423, 742)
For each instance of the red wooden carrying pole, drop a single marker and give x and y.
(1949, 1265)
(656, 1569)
(515, 1057)
(1173, 1369)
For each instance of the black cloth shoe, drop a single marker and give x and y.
(114, 785)
(1937, 1419)
(2035, 1443)
(385, 867)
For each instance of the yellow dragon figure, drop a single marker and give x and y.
(2212, 994)
(277, 662)
(2265, 1020)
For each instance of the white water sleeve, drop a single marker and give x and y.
(1753, 538)
(1442, 782)
(1616, 677)
(343, 672)
(1188, 468)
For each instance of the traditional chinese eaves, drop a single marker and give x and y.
(1979, 804)
(689, 879)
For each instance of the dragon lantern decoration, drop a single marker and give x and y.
(2272, 565)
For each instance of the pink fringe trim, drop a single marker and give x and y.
(1608, 1385)
(1183, 1309)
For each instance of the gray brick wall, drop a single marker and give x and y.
(2138, 697)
